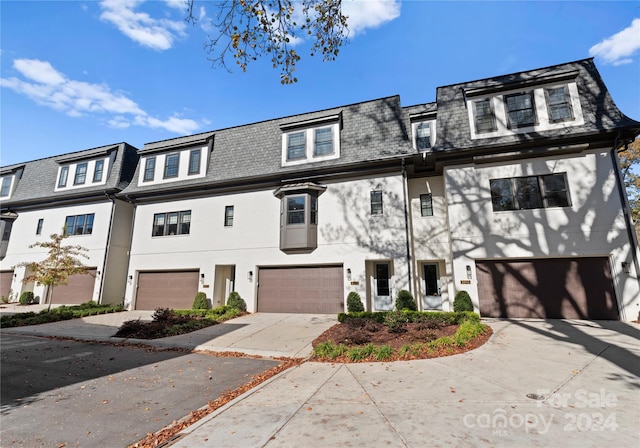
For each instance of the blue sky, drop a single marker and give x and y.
(80, 74)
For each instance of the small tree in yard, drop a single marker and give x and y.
(61, 263)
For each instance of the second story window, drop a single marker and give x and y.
(149, 169)
(172, 223)
(194, 161)
(559, 104)
(97, 172)
(79, 224)
(81, 174)
(520, 109)
(426, 205)
(64, 174)
(295, 210)
(6, 186)
(228, 216)
(485, 120)
(530, 192)
(171, 165)
(39, 227)
(376, 202)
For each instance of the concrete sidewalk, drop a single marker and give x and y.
(586, 376)
(259, 334)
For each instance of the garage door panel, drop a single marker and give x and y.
(552, 288)
(6, 277)
(306, 290)
(78, 290)
(171, 289)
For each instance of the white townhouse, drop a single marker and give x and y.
(74, 193)
(508, 188)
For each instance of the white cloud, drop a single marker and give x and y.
(617, 49)
(158, 34)
(365, 14)
(46, 86)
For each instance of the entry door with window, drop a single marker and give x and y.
(431, 299)
(382, 287)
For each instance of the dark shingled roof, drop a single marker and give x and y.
(600, 112)
(371, 130)
(38, 181)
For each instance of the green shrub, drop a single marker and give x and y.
(462, 302)
(395, 322)
(26, 298)
(405, 301)
(200, 302)
(235, 301)
(354, 304)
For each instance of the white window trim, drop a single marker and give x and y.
(183, 166)
(88, 181)
(414, 133)
(541, 111)
(12, 177)
(310, 145)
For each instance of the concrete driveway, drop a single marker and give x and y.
(534, 384)
(261, 334)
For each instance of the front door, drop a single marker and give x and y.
(382, 287)
(431, 299)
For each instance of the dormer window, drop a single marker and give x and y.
(64, 174)
(423, 136)
(559, 104)
(149, 169)
(194, 161)
(485, 119)
(520, 109)
(311, 141)
(81, 174)
(98, 170)
(6, 186)
(171, 164)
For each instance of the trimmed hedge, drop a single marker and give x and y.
(445, 317)
(354, 303)
(462, 302)
(57, 314)
(200, 302)
(405, 301)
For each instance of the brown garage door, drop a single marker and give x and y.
(175, 289)
(314, 290)
(6, 277)
(78, 290)
(579, 288)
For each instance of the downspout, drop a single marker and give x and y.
(625, 208)
(406, 226)
(106, 252)
(133, 220)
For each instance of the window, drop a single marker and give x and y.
(559, 104)
(171, 165)
(6, 234)
(313, 210)
(149, 169)
(522, 193)
(97, 172)
(79, 225)
(520, 109)
(6, 186)
(64, 174)
(81, 174)
(376, 202)
(423, 136)
(228, 216)
(426, 205)
(324, 142)
(172, 223)
(39, 227)
(295, 147)
(484, 117)
(194, 161)
(295, 210)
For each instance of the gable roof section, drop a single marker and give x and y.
(370, 131)
(38, 181)
(601, 115)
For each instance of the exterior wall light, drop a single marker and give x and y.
(469, 276)
(626, 267)
(202, 278)
(349, 274)
(250, 276)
